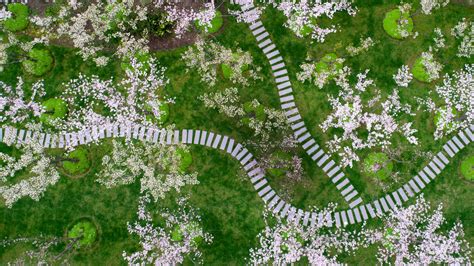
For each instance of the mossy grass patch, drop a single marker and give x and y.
(77, 162)
(392, 22)
(19, 19)
(467, 168)
(378, 165)
(54, 109)
(84, 233)
(40, 61)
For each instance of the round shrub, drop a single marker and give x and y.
(216, 24)
(378, 165)
(391, 23)
(467, 168)
(77, 162)
(19, 19)
(39, 62)
(86, 231)
(55, 108)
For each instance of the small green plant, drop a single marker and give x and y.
(54, 109)
(39, 62)
(77, 162)
(19, 19)
(378, 165)
(467, 168)
(186, 159)
(328, 63)
(393, 26)
(84, 233)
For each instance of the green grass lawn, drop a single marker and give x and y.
(229, 206)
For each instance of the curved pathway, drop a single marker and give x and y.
(353, 214)
(285, 91)
(249, 164)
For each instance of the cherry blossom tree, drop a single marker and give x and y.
(207, 57)
(134, 99)
(180, 237)
(458, 104)
(428, 5)
(464, 31)
(15, 107)
(415, 235)
(403, 76)
(353, 116)
(287, 242)
(41, 172)
(302, 14)
(157, 166)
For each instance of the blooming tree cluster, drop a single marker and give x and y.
(93, 27)
(464, 31)
(427, 6)
(133, 99)
(403, 76)
(15, 107)
(180, 237)
(41, 172)
(157, 165)
(183, 16)
(364, 46)
(431, 66)
(286, 242)
(353, 116)
(208, 56)
(440, 41)
(414, 235)
(302, 15)
(457, 93)
(317, 75)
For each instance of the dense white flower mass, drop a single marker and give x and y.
(41, 173)
(302, 15)
(207, 57)
(180, 237)
(413, 235)
(15, 107)
(157, 165)
(403, 76)
(457, 93)
(285, 242)
(350, 114)
(464, 31)
(428, 5)
(128, 101)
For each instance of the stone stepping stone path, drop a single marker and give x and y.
(301, 133)
(355, 214)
